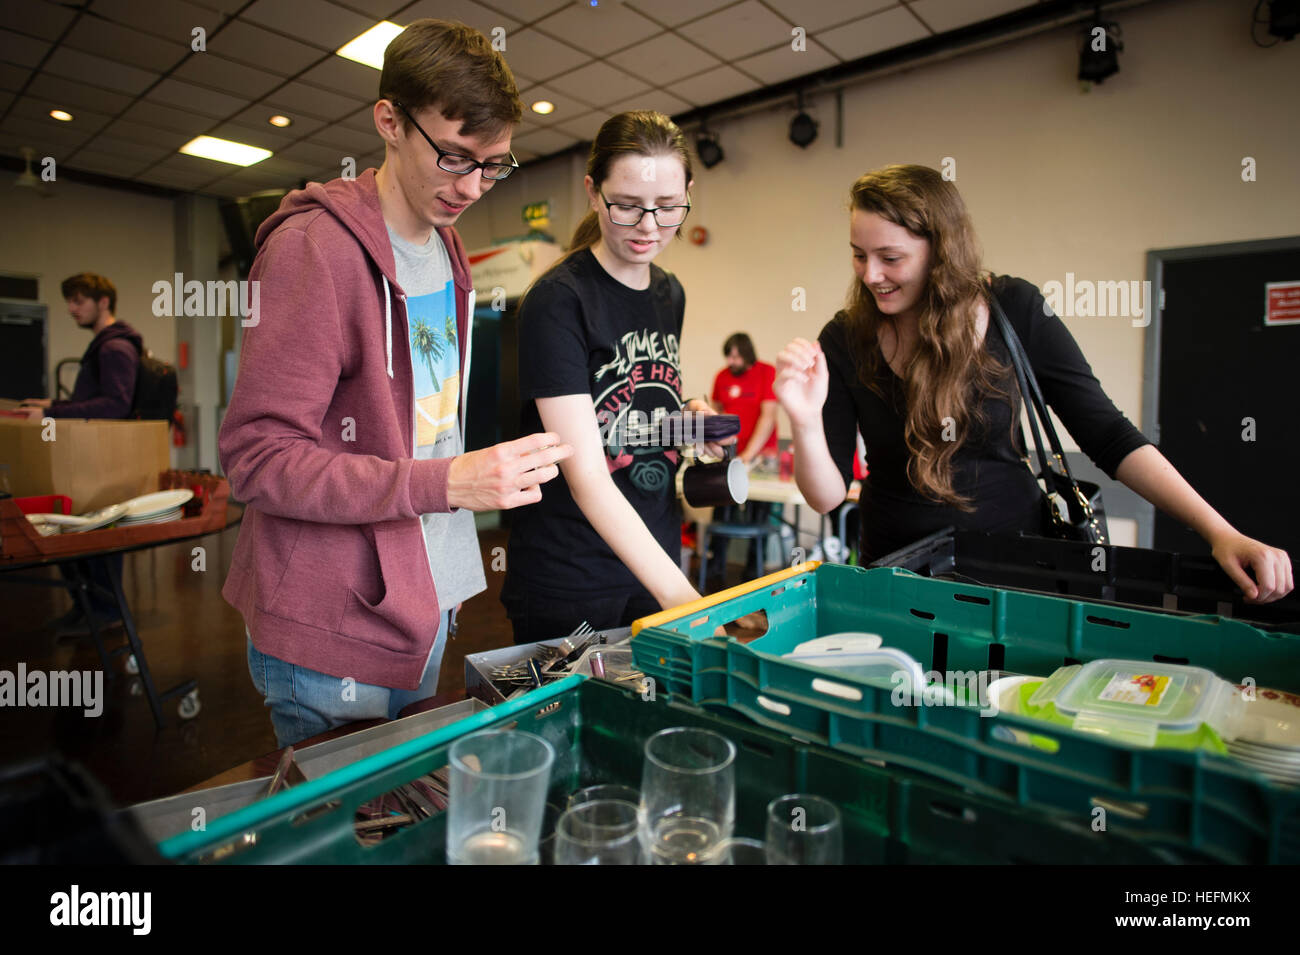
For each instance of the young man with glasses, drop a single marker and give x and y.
(345, 431)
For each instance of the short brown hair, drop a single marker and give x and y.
(447, 64)
(92, 286)
(741, 342)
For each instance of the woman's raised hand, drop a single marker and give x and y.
(801, 381)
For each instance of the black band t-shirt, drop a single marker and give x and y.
(581, 331)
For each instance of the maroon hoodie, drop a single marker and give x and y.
(330, 571)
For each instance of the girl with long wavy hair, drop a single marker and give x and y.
(599, 346)
(915, 365)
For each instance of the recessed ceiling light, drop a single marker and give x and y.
(223, 150)
(543, 106)
(61, 115)
(368, 48)
(281, 121)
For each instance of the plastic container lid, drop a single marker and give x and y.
(1133, 700)
(885, 667)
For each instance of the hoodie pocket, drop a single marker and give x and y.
(406, 608)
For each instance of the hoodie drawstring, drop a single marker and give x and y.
(388, 326)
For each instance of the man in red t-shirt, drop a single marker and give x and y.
(744, 388)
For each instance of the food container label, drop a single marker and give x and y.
(1139, 689)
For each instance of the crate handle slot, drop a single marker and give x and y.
(773, 705)
(959, 813)
(831, 688)
(315, 812)
(1129, 810)
(224, 851)
(923, 614)
(1107, 622)
(666, 617)
(756, 749)
(1161, 658)
(971, 599)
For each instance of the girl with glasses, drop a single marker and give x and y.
(599, 346)
(915, 364)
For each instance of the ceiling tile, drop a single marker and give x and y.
(539, 56)
(301, 98)
(146, 153)
(466, 11)
(256, 116)
(228, 189)
(76, 65)
(783, 63)
(174, 179)
(250, 44)
(175, 18)
(316, 22)
(197, 98)
(206, 169)
(598, 83)
(351, 141)
(124, 44)
(5, 100)
(526, 11)
(22, 50)
(827, 13)
(363, 120)
(378, 9)
(45, 138)
(345, 76)
(598, 30)
(13, 77)
(664, 59)
(880, 31)
(739, 31)
(713, 86)
(658, 100)
(36, 17)
(564, 105)
(586, 126)
(134, 132)
(274, 166)
(71, 95)
(672, 12)
(314, 155)
(944, 15)
(546, 141)
(168, 118)
(216, 72)
(106, 163)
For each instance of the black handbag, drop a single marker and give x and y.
(1085, 517)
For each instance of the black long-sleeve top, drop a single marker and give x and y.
(105, 386)
(988, 467)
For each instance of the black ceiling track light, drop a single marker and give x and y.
(1283, 20)
(1100, 50)
(707, 148)
(803, 128)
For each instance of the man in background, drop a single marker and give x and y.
(744, 389)
(105, 388)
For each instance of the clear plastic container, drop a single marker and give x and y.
(885, 667)
(1134, 700)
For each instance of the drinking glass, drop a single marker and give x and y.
(603, 832)
(688, 796)
(497, 798)
(803, 829)
(743, 852)
(605, 791)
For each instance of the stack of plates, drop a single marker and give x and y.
(1269, 737)
(157, 508)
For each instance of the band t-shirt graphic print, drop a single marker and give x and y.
(581, 331)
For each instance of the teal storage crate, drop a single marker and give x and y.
(1193, 800)
(890, 815)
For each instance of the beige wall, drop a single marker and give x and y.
(1057, 181)
(124, 236)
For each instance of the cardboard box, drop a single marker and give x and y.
(94, 462)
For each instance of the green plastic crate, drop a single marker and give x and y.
(890, 815)
(1187, 800)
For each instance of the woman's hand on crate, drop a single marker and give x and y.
(1271, 566)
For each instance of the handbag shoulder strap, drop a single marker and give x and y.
(1029, 391)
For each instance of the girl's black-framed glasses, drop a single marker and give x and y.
(621, 213)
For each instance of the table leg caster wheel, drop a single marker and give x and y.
(189, 707)
(132, 665)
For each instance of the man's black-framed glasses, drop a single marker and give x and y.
(621, 213)
(463, 165)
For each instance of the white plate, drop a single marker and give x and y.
(1004, 693)
(97, 519)
(1273, 717)
(150, 505)
(849, 642)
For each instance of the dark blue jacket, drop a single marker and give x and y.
(105, 385)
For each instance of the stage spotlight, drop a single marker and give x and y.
(1099, 54)
(706, 146)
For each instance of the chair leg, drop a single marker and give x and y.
(704, 558)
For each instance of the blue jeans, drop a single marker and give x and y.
(306, 702)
